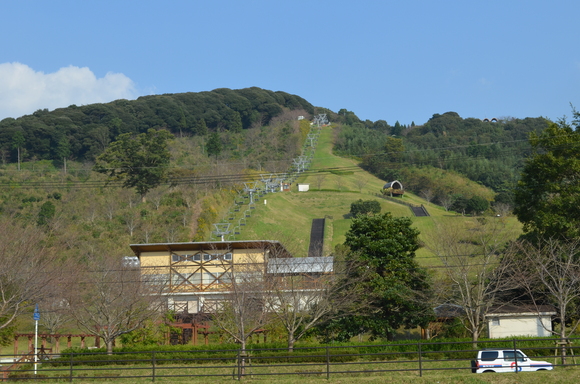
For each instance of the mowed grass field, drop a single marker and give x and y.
(287, 216)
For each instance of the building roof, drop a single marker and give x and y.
(521, 310)
(275, 248)
(393, 184)
(301, 265)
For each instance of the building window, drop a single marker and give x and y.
(228, 256)
(495, 321)
(206, 257)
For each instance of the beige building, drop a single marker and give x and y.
(199, 274)
(511, 320)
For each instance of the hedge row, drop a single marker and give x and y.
(278, 353)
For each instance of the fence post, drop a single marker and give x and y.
(420, 361)
(516, 356)
(70, 378)
(239, 363)
(327, 363)
(153, 366)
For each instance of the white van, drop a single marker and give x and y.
(506, 360)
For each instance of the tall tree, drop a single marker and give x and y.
(396, 285)
(549, 272)
(18, 141)
(214, 146)
(47, 211)
(244, 308)
(474, 275)
(305, 291)
(28, 269)
(141, 161)
(110, 298)
(547, 198)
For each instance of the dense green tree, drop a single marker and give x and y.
(140, 161)
(365, 207)
(397, 129)
(47, 211)
(200, 127)
(214, 146)
(396, 284)
(477, 205)
(547, 198)
(394, 149)
(83, 126)
(235, 123)
(460, 203)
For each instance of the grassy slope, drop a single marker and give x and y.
(288, 216)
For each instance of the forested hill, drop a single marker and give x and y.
(488, 152)
(81, 133)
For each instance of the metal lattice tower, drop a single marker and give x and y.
(221, 230)
(312, 137)
(251, 188)
(299, 165)
(320, 120)
(272, 182)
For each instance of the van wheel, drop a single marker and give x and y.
(473, 366)
(488, 371)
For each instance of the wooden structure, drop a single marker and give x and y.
(199, 274)
(56, 349)
(393, 188)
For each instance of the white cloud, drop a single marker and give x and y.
(23, 90)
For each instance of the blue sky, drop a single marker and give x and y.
(391, 60)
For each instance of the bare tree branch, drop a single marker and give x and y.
(28, 268)
(111, 298)
(474, 273)
(550, 270)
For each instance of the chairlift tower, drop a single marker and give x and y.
(221, 230)
(272, 182)
(321, 120)
(299, 165)
(251, 188)
(312, 138)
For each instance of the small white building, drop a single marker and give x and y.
(511, 320)
(303, 187)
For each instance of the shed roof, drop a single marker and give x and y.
(522, 310)
(393, 184)
(275, 247)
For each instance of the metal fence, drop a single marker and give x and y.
(325, 362)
